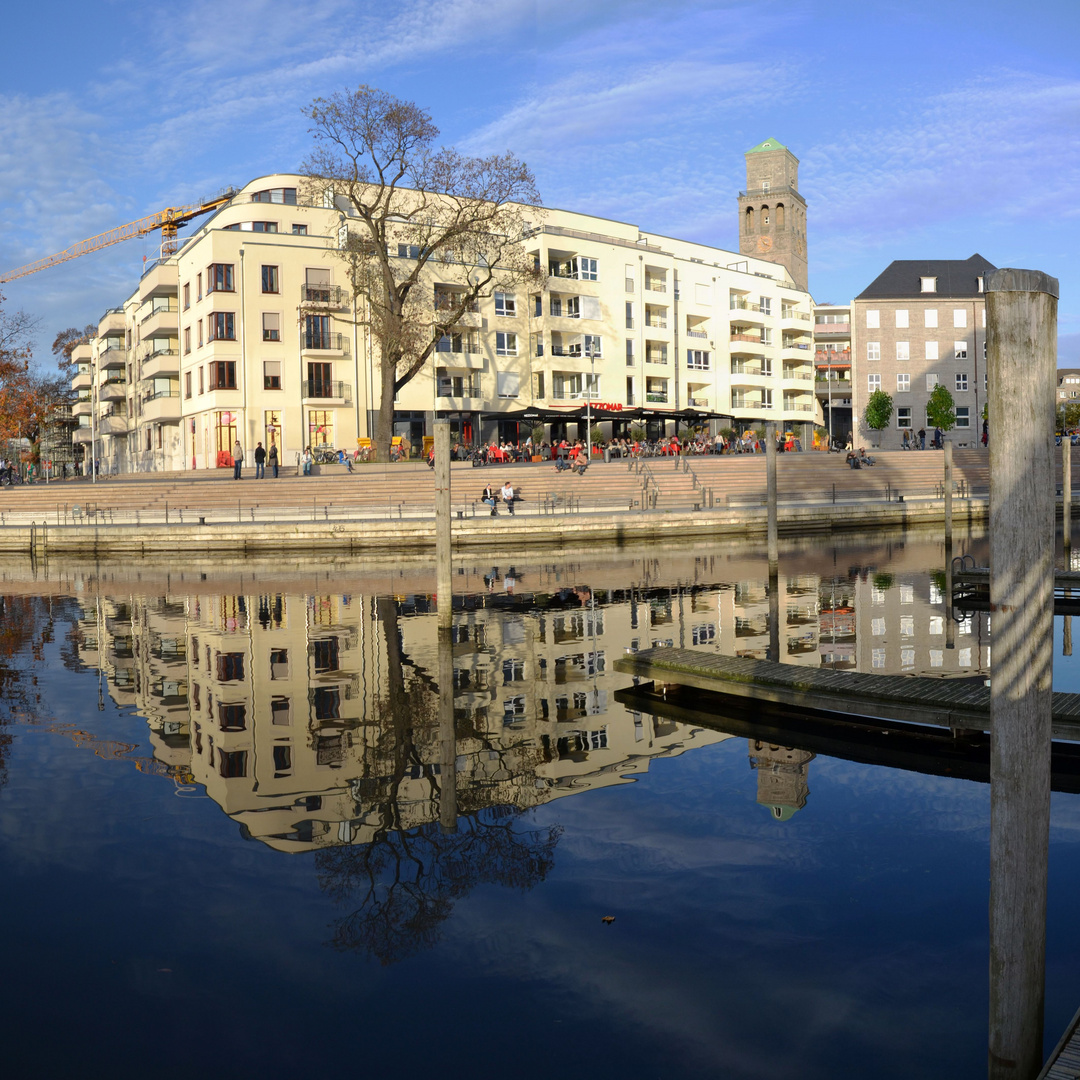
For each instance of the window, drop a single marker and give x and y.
(408, 251)
(198, 325)
(931, 350)
(264, 226)
(198, 286)
(587, 269)
(270, 279)
(317, 332)
(931, 381)
(877, 658)
(201, 380)
(508, 384)
(540, 384)
(187, 296)
(877, 627)
(187, 384)
(961, 381)
(299, 230)
(963, 416)
(506, 304)
(766, 305)
(960, 350)
(271, 374)
(219, 278)
(873, 319)
(287, 196)
(697, 358)
(629, 315)
(903, 350)
(271, 322)
(223, 375)
(901, 318)
(903, 383)
(505, 344)
(873, 351)
(873, 382)
(766, 399)
(959, 317)
(930, 318)
(573, 307)
(928, 284)
(903, 416)
(221, 326)
(629, 352)
(187, 340)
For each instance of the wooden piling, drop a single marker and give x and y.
(770, 496)
(1066, 496)
(443, 567)
(1021, 314)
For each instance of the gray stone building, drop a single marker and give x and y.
(919, 323)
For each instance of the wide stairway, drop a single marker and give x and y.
(407, 489)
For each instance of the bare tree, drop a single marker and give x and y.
(418, 216)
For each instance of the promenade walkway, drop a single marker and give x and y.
(376, 506)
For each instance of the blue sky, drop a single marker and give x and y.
(923, 130)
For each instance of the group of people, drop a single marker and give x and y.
(262, 459)
(918, 441)
(506, 495)
(860, 460)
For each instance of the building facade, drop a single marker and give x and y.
(918, 324)
(251, 332)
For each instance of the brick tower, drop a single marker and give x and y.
(772, 213)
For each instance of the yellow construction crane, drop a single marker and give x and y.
(168, 221)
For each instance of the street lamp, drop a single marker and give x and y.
(588, 398)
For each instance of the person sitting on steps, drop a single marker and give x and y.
(508, 496)
(489, 498)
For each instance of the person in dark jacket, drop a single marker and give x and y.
(260, 461)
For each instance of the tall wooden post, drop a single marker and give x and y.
(1066, 496)
(770, 498)
(948, 498)
(443, 570)
(1021, 316)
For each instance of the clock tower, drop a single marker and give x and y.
(772, 213)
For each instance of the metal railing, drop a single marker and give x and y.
(321, 294)
(326, 342)
(324, 388)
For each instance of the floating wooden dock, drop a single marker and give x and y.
(971, 590)
(1064, 1062)
(957, 704)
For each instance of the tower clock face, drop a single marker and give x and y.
(764, 244)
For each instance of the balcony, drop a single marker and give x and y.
(163, 362)
(113, 424)
(159, 279)
(328, 390)
(336, 343)
(81, 435)
(162, 406)
(656, 285)
(737, 304)
(788, 314)
(831, 330)
(704, 334)
(331, 296)
(83, 407)
(698, 402)
(163, 321)
(112, 322)
(655, 322)
(656, 397)
(459, 388)
(81, 380)
(799, 374)
(115, 356)
(113, 390)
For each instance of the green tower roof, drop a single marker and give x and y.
(768, 144)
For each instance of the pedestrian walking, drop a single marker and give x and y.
(260, 461)
(238, 459)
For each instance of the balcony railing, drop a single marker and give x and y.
(747, 337)
(328, 388)
(656, 397)
(743, 305)
(656, 324)
(655, 358)
(171, 307)
(458, 388)
(794, 373)
(655, 285)
(159, 394)
(321, 294)
(326, 342)
(697, 333)
(796, 345)
(791, 313)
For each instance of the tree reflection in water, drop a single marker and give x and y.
(405, 880)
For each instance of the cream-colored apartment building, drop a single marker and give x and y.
(251, 332)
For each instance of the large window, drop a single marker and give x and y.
(320, 427)
(320, 380)
(219, 278)
(271, 374)
(960, 350)
(270, 279)
(903, 350)
(505, 304)
(931, 350)
(223, 375)
(873, 382)
(901, 318)
(506, 344)
(903, 416)
(903, 383)
(222, 326)
(697, 358)
(271, 322)
(317, 332)
(961, 381)
(873, 319)
(873, 351)
(963, 416)
(285, 196)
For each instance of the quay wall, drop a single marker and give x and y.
(503, 534)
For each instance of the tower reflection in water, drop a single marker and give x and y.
(314, 721)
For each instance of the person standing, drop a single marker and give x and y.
(272, 459)
(922, 438)
(260, 461)
(238, 459)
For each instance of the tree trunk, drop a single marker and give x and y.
(384, 418)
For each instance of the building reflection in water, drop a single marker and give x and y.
(313, 720)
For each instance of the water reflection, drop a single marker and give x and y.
(313, 720)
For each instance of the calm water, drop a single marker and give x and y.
(221, 851)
